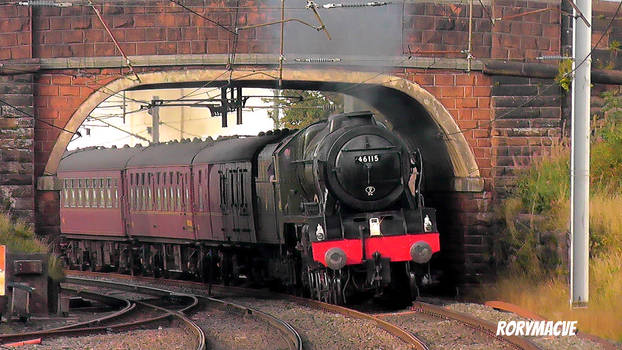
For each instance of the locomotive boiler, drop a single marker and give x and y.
(333, 210)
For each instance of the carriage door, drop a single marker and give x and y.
(232, 177)
(217, 200)
(227, 202)
(244, 208)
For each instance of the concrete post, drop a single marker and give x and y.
(580, 159)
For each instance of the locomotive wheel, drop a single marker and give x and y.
(325, 286)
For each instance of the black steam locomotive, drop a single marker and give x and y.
(334, 210)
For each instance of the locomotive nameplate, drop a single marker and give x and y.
(369, 158)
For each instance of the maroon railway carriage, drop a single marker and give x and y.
(334, 209)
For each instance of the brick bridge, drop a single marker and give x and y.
(476, 120)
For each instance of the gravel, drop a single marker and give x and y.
(443, 334)
(225, 330)
(167, 338)
(326, 330)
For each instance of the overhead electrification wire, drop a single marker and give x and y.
(202, 16)
(38, 119)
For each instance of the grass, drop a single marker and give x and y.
(546, 292)
(19, 237)
(550, 298)
(531, 251)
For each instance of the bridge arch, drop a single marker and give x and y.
(460, 170)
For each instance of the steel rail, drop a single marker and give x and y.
(129, 306)
(394, 330)
(289, 333)
(390, 328)
(473, 322)
(201, 344)
(78, 329)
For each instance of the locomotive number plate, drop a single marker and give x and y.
(369, 158)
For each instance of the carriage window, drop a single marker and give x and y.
(116, 197)
(158, 198)
(79, 202)
(187, 202)
(200, 193)
(137, 204)
(178, 198)
(131, 198)
(242, 199)
(200, 176)
(170, 179)
(150, 199)
(138, 198)
(171, 204)
(223, 190)
(233, 199)
(165, 198)
(87, 197)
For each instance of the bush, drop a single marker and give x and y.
(532, 248)
(20, 238)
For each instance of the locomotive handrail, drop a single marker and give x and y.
(386, 148)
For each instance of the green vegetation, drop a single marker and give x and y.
(563, 77)
(20, 238)
(534, 225)
(307, 108)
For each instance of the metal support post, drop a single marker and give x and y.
(224, 106)
(580, 158)
(155, 120)
(239, 106)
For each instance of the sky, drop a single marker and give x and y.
(190, 122)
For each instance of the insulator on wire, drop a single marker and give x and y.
(365, 4)
(44, 3)
(317, 60)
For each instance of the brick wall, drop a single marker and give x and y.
(438, 27)
(16, 146)
(15, 32)
(528, 120)
(162, 28)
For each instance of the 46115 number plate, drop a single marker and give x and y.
(369, 158)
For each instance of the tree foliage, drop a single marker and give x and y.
(299, 108)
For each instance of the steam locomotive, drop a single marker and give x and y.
(333, 210)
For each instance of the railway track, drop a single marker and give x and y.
(132, 313)
(482, 326)
(262, 300)
(398, 325)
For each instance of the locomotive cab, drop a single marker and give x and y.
(354, 206)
